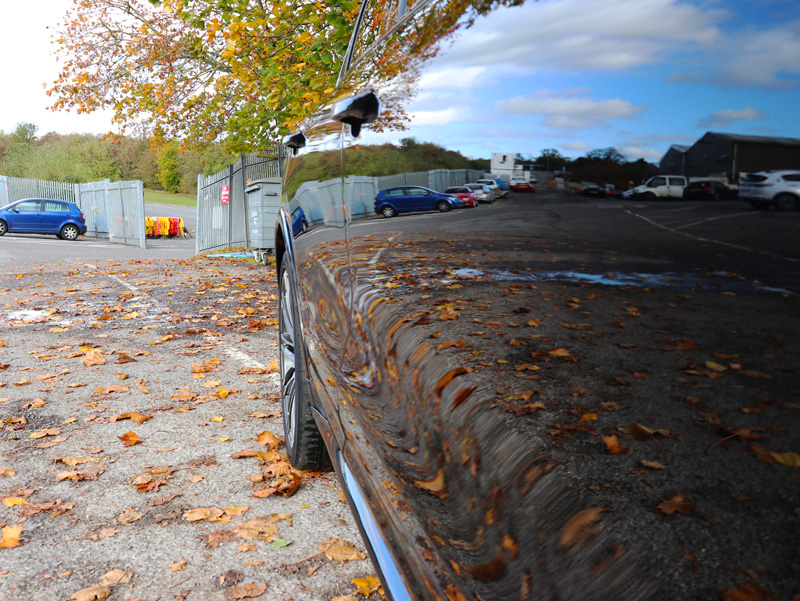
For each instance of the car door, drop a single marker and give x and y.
(313, 217)
(53, 216)
(26, 216)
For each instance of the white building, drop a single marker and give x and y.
(503, 167)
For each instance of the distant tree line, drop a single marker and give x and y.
(601, 165)
(79, 158)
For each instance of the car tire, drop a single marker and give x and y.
(443, 206)
(649, 196)
(786, 202)
(304, 444)
(3, 228)
(69, 232)
(388, 211)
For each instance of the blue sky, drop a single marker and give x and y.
(639, 75)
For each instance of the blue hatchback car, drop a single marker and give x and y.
(403, 199)
(43, 216)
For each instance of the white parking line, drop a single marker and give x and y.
(713, 219)
(225, 347)
(701, 239)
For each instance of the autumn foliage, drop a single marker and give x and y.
(201, 70)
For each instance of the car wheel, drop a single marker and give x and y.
(443, 206)
(69, 232)
(388, 211)
(786, 202)
(3, 228)
(649, 196)
(304, 444)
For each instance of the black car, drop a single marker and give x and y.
(707, 190)
(486, 448)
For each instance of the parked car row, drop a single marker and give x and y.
(389, 202)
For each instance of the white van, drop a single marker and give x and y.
(661, 186)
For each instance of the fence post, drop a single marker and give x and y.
(198, 226)
(245, 212)
(229, 205)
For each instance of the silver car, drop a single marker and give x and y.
(481, 192)
(780, 189)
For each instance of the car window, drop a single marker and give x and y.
(658, 181)
(395, 192)
(52, 206)
(416, 191)
(29, 206)
(792, 177)
(676, 181)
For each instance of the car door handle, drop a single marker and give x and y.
(357, 110)
(295, 141)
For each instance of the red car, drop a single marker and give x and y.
(465, 194)
(523, 187)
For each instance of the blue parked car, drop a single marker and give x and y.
(403, 199)
(43, 216)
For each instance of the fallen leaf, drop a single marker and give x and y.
(129, 439)
(7, 472)
(248, 591)
(655, 465)
(177, 566)
(748, 591)
(613, 446)
(268, 439)
(367, 586)
(14, 501)
(93, 357)
(580, 527)
(788, 459)
(73, 461)
(137, 417)
(337, 549)
(674, 504)
(10, 537)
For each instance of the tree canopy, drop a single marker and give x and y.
(240, 72)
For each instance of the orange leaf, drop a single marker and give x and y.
(11, 537)
(338, 549)
(137, 417)
(676, 503)
(130, 439)
(612, 442)
(580, 527)
(269, 440)
(93, 357)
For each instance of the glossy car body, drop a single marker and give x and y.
(707, 190)
(497, 190)
(482, 192)
(523, 187)
(405, 199)
(779, 189)
(43, 216)
(464, 193)
(592, 191)
(414, 361)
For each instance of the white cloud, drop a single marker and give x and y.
(562, 111)
(639, 152)
(728, 116)
(763, 58)
(453, 79)
(576, 146)
(441, 117)
(588, 34)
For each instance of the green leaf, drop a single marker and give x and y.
(279, 542)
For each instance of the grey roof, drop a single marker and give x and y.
(774, 141)
(680, 147)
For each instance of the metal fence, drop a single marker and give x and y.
(113, 210)
(225, 225)
(17, 188)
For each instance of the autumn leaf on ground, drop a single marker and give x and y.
(93, 357)
(613, 446)
(269, 440)
(123, 358)
(748, 591)
(152, 479)
(73, 461)
(14, 501)
(676, 503)
(655, 465)
(262, 528)
(248, 591)
(129, 439)
(337, 549)
(178, 565)
(211, 514)
(7, 472)
(563, 353)
(788, 459)
(285, 485)
(448, 313)
(10, 537)
(639, 431)
(132, 415)
(103, 589)
(580, 527)
(129, 516)
(48, 432)
(367, 586)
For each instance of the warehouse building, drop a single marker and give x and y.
(730, 155)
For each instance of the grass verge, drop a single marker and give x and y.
(165, 198)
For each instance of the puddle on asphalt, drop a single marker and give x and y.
(27, 315)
